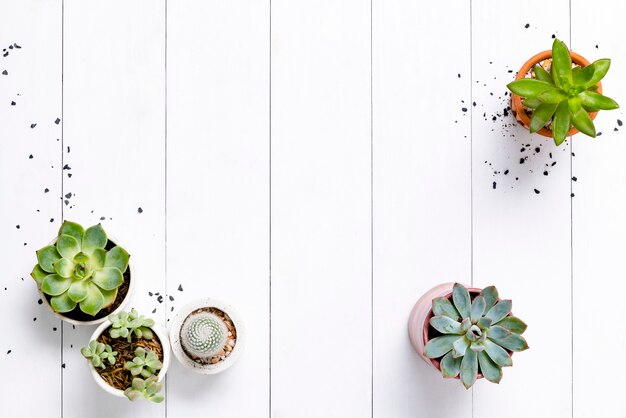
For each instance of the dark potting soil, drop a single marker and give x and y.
(115, 374)
(122, 291)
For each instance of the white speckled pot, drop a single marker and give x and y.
(165, 343)
(131, 286)
(177, 324)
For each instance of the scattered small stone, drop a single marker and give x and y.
(63, 365)
(68, 195)
(57, 121)
(154, 310)
(139, 210)
(54, 328)
(160, 299)
(102, 218)
(572, 195)
(17, 226)
(522, 160)
(39, 302)
(34, 319)
(545, 173)
(464, 109)
(51, 220)
(13, 103)
(527, 25)
(180, 288)
(30, 157)
(8, 352)
(575, 178)
(537, 191)
(32, 125)
(171, 298)
(5, 72)
(506, 172)
(46, 190)
(458, 75)
(67, 167)
(494, 185)
(619, 122)
(150, 294)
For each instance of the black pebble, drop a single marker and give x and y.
(39, 302)
(57, 121)
(54, 329)
(545, 173)
(575, 178)
(537, 191)
(180, 287)
(34, 319)
(30, 157)
(32, 125)
(102, 218)
(150, 294)
(5, 72)
(506, 172)
(46, 190)
(13, 103)
(572, 195)
(172, 298)
(139, 210)
(63, 365)
(8, 352)
(619, 122)
(527, 25)
(521, 161)
(17, 226)
(69, 195)
(494, 185)
(154, 310)
(464, 109)
(51, 219)
(66, 167)
(160, 299)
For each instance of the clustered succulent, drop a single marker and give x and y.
(564, 96)
(77, 270)
(148, 389)
(203, 335)
(98, 353)
(146, 363)
(125, 324)
(478, 335)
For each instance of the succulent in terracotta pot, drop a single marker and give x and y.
(129, 364)
(83, 275)
(558, 93)
(466, 333)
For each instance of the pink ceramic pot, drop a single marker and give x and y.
(420, 318)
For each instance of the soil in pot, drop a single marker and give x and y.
(122, 291)
(115, 374)
(229, 345)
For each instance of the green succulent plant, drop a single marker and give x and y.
(148, 389)
(125, 324)
(146, 363)
(98, 353)
(564, 96)
(477, 335)
(203, 334)
(77, 270)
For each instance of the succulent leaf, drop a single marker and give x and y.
(55, 285)
(459, 347)
(94, 237)
(582, 121)
(67, 246)
(78, 291)
(450, 366)
(445, 325)
(542, 75)
(484, 323)
(117, 257)
(469, 368)
(108, 296)
(496, 332)
(439, 346)
(513, 342)
(64, 268)
(204, 334)
(125, 324)
(529, 88)
(600, 68)
(542, 115)
(94, 301)
(597, 101)
(478, 308)
(498, 354)
(554, 95)
(490, 293)
(108, 278)
(147, 389)
(72, 229)
(461, 299)
(500, 310)
(98, 258)
(46, 257)
(489, 369)
(513, 324)
(442, 306)
(38, 274)
(562, 64)
(532, 103)
(62, 303)
(561, 124)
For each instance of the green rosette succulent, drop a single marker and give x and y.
(77, 270)
(146, 363)
(125, 324)
(98, 353)
(148, 389)
(477, 336)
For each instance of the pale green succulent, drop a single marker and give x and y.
(148, 389)
(98, 353)
(145, 363)
(477, 336)
(203, 334)
(125, 324)
(77, 270)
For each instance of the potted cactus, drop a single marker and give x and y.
(128, 356)
(555, 99)
(466, 333)
(207, 336)
(82, 275)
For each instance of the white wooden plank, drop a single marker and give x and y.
(114, 94)
(321, 274)
(218, 190)
(30, 354)
(521, 237)
(599, 227)
(422, 206)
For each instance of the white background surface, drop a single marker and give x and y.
(310, 163)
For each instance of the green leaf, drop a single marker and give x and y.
(528, 87)
(484, 323)
(459, 347)
(439, 346)
(73, 229)
(64, 268)
(62, 303)
(156, 398)
(600, 68)
(67, 246)
(46, 257)
(109, 297)
(562, 64)
(461, 299)
(132, 394)
(541, 116)
(554, 95)
(450, 366)
(498, 354)
(489, 369)
(582, 122)
(55, 285)
(478, 308)
(542, 75)
(597, 101)
(582, 76)
(561, 123)
(476, 346)
(497, 331)
(513, 342)
(108, 278)
(531, 103)
(78, 291)
(469, 368)
(442, 306)
(95, 237)
(146, 333)
(97, 258)
(93, 302)
(490, 293)
(513, 324)
(138, 384)
(500, 310)
(117, 257)
(38, 274)
(445, 325)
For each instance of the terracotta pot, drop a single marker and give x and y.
(165, 344)
(516, 101)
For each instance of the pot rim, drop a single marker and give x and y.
(177, 323)
(123, 304)
(516, 101)
(165, 344)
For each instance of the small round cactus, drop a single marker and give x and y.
(203, 335)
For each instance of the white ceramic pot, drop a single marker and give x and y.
(177, 324)
(165, 344)
(120, 308)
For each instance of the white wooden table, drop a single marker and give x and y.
(311, 163)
